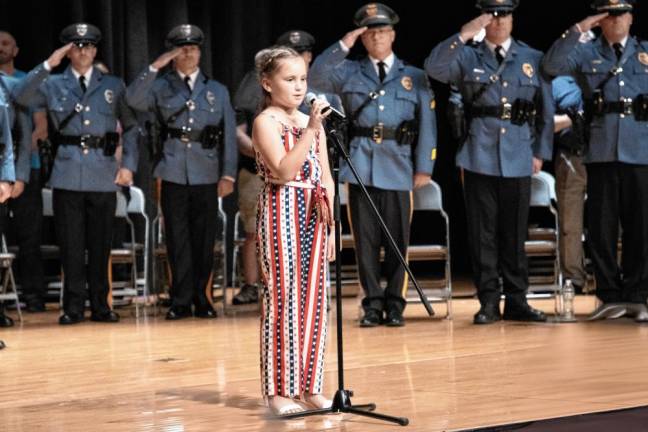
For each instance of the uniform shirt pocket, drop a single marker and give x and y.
(406, 104)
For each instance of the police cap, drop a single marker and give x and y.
(185, 34)
(497, 7)
(375, 15)
(298, 40)
(81, 34)
(613, 7)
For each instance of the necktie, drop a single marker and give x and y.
(187, 80)
(381, 71)
(618, 50)
(498, 54)
(82, 83)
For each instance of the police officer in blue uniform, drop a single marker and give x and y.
(510, 111)
(198, 163)
(7, 177)
(613, 74)
(246, 103)
(85, 109)
(391, 109)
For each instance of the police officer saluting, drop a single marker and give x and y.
(197, 163)
(510, 132)
(613, 74)
(393, 146)
(84, 108)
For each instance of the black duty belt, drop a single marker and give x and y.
(185, 134)
(624, 106)
(503, 112)
(84, 141)
(377, 133)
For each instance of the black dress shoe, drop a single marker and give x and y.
(178, 313)
(107, 317)
(205, 313)
(395, 319)
(5, 321)
(70, 318)
(523, 312)
(371, 319)
(2, 345)
(487, 314)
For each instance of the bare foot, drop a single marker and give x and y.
(317, 400)
(281, 406)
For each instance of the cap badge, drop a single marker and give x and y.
(643, 58)
(109, 96)
(294, 38)
(528, 70)
(372, 10)
(186, 30)
(406, 82)
(82, 29)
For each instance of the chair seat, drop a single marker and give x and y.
(347, 241)
(117, 253)
(548, 234)
(540, 247)
(427, 252)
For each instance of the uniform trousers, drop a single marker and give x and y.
(27, 226)
(618, 193)
(84, 221)
(190, 223)
(395, 207)
(497, 211)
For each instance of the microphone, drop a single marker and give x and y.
(335, 114)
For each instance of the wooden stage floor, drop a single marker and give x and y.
(194, 375)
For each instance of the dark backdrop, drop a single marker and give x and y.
(134, 33)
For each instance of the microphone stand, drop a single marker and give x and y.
(342, 399)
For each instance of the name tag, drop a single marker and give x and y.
(481, 71)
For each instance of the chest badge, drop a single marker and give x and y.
(643, 58)
(109, 96)
(211, 98)
(528, 70)
(407, 84)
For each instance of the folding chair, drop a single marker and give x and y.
(543, 242)
(8, 290)
(51, 251)
(428, 199)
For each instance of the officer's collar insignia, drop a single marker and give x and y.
(528, 70)
(406, 82)
(109, 96)
(295, 37)
(372, 10)
(432, 104)
(186, 30)
(82, 29)
(211, 99)
(643, 58)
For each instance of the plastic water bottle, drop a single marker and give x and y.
(568, 301)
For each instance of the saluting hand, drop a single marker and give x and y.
(350, 38)
(591, 22)
(5, 191)
(58, 55)
(471, 28)
(166, 58)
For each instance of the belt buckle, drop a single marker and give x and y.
(627, 106)
(184, 136)
(377, 133)
(506, 111)
(83, 143)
